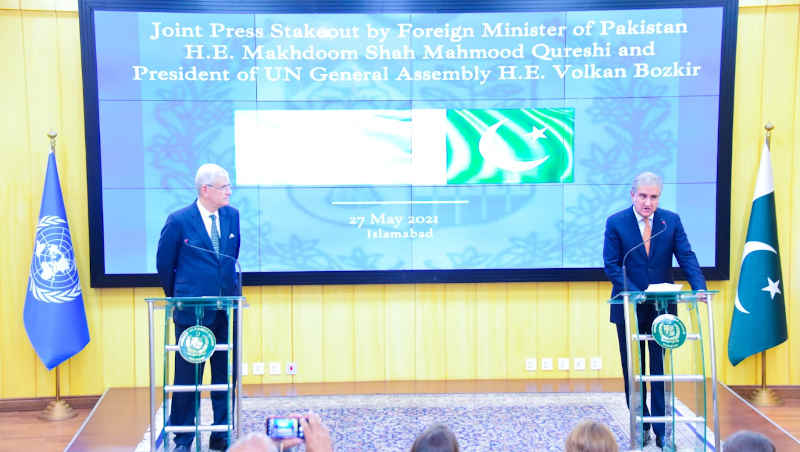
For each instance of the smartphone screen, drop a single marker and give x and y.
(284, 428)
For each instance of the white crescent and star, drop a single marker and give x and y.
(497, 152)
(751, 247)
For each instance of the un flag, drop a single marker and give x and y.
(54, 316)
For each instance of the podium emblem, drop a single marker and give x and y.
(196, 344)
(669, 331)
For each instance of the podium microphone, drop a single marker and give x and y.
(624, 258)
(235, 260)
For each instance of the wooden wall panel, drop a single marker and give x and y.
(307, 333)
(552, 325)
(780, 86)
(792, 255)
(523, 329)
(253, 333)
(17, 366)
(608, 349)
(430, 332)
(460, 332)
(337, 333)
(117, 337)
(141, 336)
(40, 43)
(66, 5)
(9, 4)
(276, 326)
(586, 316)
(491, 330)
(368, 333)
(747, 136)
(400, 331)
(41, 5)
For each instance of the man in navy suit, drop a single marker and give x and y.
(654, 235)
(196, 256)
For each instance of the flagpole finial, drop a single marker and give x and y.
(768, 127)
(52, 134)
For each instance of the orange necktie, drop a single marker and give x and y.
(646, 235)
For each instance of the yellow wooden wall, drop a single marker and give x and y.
(367, 332)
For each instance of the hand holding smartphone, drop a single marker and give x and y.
(284, 427)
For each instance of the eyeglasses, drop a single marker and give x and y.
(226, 187)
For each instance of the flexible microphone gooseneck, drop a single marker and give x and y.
(624, 270)
(235, 260)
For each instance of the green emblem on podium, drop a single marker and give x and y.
(669, 331)
(196, 344)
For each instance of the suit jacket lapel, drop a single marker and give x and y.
(224, 231)
(199, 229)
(655, 230)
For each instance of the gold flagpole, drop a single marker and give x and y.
(765, 396)
(58, 409)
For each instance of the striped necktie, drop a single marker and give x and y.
(646, 235)
(214, 233)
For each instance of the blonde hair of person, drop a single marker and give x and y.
(591, 436)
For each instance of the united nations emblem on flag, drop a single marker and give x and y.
(54, 277)
(669, 331)
(196, 344)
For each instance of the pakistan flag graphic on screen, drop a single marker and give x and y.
(510, 146)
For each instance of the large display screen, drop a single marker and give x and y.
(406, 141)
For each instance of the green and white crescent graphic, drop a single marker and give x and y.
(196, 344)
(502, 146)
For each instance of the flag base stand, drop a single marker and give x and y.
(57, 410)
(765, 397)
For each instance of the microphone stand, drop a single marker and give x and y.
(235, 261)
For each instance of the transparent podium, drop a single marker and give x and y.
(689, 354)
(196, 345)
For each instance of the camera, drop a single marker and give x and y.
(284, 427)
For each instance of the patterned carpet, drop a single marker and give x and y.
(481, 422)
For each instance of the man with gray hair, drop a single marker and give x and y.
(747, 441)
(643, 238)
(197, 256)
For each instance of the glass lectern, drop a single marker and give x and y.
(688, 360)
(196, 345)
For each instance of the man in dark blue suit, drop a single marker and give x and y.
(196, 256)
(654, 235)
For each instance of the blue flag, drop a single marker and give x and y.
(759, 314)
(54, 316)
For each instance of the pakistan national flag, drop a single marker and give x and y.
(759, 315)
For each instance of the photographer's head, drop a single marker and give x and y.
(253, 442)
(437, 438)
(591, 436)
(747, 441)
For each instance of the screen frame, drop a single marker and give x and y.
(100, 278)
